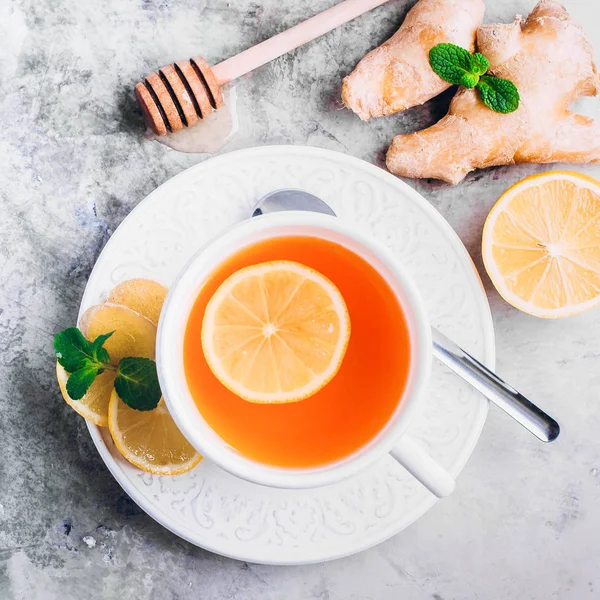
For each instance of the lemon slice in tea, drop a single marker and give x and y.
(275, 332)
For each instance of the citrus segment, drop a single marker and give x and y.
(275, 332)
(150, 440)
(541, 244)
(134, 335)
(94, 405)
(144, 296)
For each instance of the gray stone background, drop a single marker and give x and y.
(524, 521)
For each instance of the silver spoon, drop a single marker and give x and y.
(453, 356)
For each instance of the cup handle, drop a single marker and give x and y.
(422, 467)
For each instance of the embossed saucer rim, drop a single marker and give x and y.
(488, 349)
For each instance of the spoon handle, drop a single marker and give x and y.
(490, 385)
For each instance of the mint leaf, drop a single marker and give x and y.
(73, 349)
(498, 94)
(137, 383)
(454, 64)
(100, 353)
(479, 64)
(80, 380)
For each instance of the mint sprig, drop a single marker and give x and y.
(459, 67)
(136, 382)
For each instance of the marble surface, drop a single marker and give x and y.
(524, 520)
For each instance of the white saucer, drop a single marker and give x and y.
(235, 518)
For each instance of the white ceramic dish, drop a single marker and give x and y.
(392, 438)
(227, 515)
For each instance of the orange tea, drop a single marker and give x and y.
(353, 407)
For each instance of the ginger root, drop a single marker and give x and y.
(551, 62)
(397, 75)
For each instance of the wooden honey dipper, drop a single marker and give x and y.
(179, 95)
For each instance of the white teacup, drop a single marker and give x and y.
(391, 439)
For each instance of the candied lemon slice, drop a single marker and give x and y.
(133, 335)
(144, 296)
(150, 440)
(94, 405)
